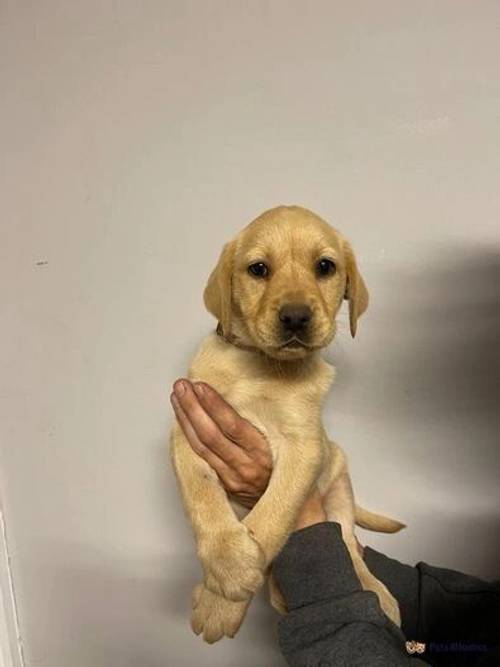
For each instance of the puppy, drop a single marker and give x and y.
(275, 292)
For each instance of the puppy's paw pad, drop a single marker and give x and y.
(215, 617)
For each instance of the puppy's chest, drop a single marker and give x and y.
(273, 404)
(283, 415)
(284, 405)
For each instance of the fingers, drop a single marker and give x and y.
(197, 445)
(200, 428)
(235, 427)
(230, 444)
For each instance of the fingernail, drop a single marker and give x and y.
(180, 388)
(174, 401)
(199, 389)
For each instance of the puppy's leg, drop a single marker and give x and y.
(275, 597)
(232, 560)
(295, 471)
(214, 616)
(339, 506)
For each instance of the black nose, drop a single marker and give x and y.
(295, 318)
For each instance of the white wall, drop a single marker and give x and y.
(136, 138)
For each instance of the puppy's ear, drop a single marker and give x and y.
(218, 292)
(355, 289)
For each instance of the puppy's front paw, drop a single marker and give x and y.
(214, 616)
(233, 563)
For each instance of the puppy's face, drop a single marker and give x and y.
(279, 285)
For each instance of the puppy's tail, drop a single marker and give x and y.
(376, 522)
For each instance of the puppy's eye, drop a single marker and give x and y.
(259, 270)
(325, 267)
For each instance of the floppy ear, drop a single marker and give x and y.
(355, 289)
(218, 292)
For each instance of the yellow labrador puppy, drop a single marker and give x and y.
(275, 292)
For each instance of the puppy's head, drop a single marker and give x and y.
(280, 283)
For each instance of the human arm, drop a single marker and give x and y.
(330, 619)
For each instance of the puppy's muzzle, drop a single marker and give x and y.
(295, 320)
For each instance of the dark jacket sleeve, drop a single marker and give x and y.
(457, 616)
(331, 620)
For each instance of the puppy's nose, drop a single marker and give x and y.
(295, 317)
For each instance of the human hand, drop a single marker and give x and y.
(230, 444)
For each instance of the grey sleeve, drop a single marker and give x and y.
(331, 620)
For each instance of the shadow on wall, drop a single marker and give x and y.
(436, 332)
(455, 348)
(425, 378)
